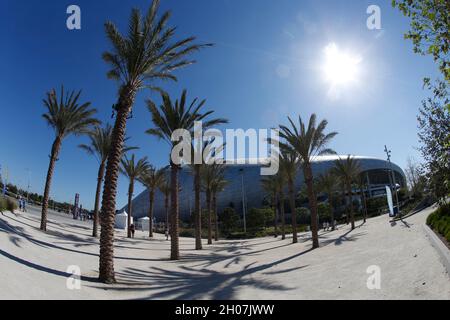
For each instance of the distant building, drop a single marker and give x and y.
(375, 171)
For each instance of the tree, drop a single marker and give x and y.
(328, 183)
(229, 220)
(99, 147)
(289, 165)
(348, 170)
(434, 135)
(307, 143)
(430, 25)
(164, 187)
(413, 173)
(166, 119)
(133, 170)
(197, 168)
(361, 185)
(66, 116)
(218, 186)
(148, 53)
(211, 180)
(270, 186)
(280, 180)
(152, 179)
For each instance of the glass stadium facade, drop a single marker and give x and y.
(244, 183)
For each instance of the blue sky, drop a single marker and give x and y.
(266, 65)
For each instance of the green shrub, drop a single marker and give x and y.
(439, 221)
(6, 204)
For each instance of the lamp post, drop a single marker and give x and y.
(28, 186)
(392, 175)
(243, 199)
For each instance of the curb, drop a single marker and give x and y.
(440, 247)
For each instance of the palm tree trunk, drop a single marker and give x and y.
(216, 218)
(108, 211)
(283, 222)
(166, 207)
(150, 213)
(313, 205)
(51, 166)
(363, 196)
(330, 200)
(275, 208)
(293, 211)
(208, 206)
(352, 215)
(101, 174)
(174, 245)
(197, 213)
(130, 207)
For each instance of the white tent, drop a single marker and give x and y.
(121, 220)
(143, 224)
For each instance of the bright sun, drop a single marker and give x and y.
(340, 68)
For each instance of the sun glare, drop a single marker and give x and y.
(340, 67)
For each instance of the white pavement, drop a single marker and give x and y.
(33, 265)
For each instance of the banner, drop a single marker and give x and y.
(390, 201)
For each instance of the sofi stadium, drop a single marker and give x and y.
(244, 186)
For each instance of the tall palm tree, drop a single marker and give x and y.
(280, 179)
(348, 170)
(66, 116)
(270, 186)
(197, 168)
(210, 176)
(132, 169)
(307, 143)
(164, 187)
(147, 53)
(328, 183)
(289, 164)
(152, 179)
(361, 186)
(166, 119)
(99, 147)
(218, 186)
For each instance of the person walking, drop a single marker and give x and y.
(167, 234)
(132, 229)
(19, 200)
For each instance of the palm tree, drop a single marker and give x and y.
(280, 179)
(361, 186)
(66, 116)
(270, 185)
(164, 187)
(132, 169)
(328, 183)
(168, 118)
(212, 180)
(146, 54)
(218, 186)
(307, 143)
(99, 146)
(348, 170)
(152, 179)
(197, 168)
(289, 165)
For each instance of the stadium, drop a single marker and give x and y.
(244, 186)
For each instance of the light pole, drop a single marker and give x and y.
(388, 153)
(243, 199)
(28, 186)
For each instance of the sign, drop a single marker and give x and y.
(390, 201)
